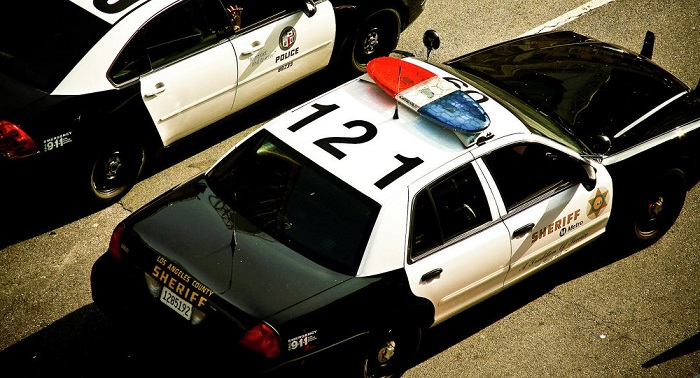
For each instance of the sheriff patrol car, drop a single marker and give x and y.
(90, 89)
(350, 224)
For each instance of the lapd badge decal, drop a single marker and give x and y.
(287, 38)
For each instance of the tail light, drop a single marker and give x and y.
(115, 241)
(262, 339)
(14, 142)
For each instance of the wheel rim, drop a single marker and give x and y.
(651, 218)
(659, 210)
(371, 42)
(378, 38)
(114, 173)
(390, 355)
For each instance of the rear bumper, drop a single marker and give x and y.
(163, 335)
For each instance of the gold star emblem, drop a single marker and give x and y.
(598, 202)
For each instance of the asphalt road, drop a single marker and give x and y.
(603, 312)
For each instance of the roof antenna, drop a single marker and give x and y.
(398, 89)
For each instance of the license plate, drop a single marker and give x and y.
(178, 304)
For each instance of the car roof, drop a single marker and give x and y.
(410, 135)
(111, 12)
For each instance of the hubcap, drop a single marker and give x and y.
(112, 166)
(386, 352)
(371, 42)
(655, 208)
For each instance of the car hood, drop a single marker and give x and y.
(589, 86)
(247, 268)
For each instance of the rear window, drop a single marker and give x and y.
(42, 40)
(295, 201)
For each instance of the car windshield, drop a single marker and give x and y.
(295, 201)
(42, 40)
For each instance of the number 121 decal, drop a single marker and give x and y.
(326, 144)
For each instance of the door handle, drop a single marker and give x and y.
(430, 275)
(255, 46)
(160, 88)
(523, 230)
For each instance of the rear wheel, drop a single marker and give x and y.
(378, 36)
(114, 170)
(658, 207)
(391, 351)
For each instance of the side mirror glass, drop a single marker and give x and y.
(600, 144)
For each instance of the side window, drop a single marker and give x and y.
(180, 31)
(525, 171)
(448, 208)
(188, 27)
(245, 13)
(131, 63)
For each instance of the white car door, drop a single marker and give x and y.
(193, 77)
(278, 44)
(544, 203)
(459, 249)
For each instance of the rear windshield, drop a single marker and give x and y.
(295, 201)
(42, 40)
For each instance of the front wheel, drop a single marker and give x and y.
(658, 207)
(378, 36)
(390, 352)
(114, 170)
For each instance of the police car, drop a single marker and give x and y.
(347, 227)
(89, 89)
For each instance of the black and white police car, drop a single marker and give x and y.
(339, 227)
(89, 89)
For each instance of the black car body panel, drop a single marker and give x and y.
(233, 253)
(584, 83)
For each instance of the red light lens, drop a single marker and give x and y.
(262, 339)
(114, 241)
(14, 142)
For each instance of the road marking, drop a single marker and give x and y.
(567, 17)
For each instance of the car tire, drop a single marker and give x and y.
(657, 207)
(390, 352)
(377, 36)
(113, 171)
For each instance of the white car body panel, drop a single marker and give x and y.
(236, 73)
(181, 103)
(471, 267)
(272, 57)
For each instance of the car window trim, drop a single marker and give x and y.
(454, 240)
(543, 195)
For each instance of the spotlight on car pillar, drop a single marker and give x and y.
(431, 40)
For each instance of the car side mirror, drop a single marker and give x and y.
(600, 144)
(589, 176)
(309, 8)
(431, 40)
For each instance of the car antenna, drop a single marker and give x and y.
(398, 89)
